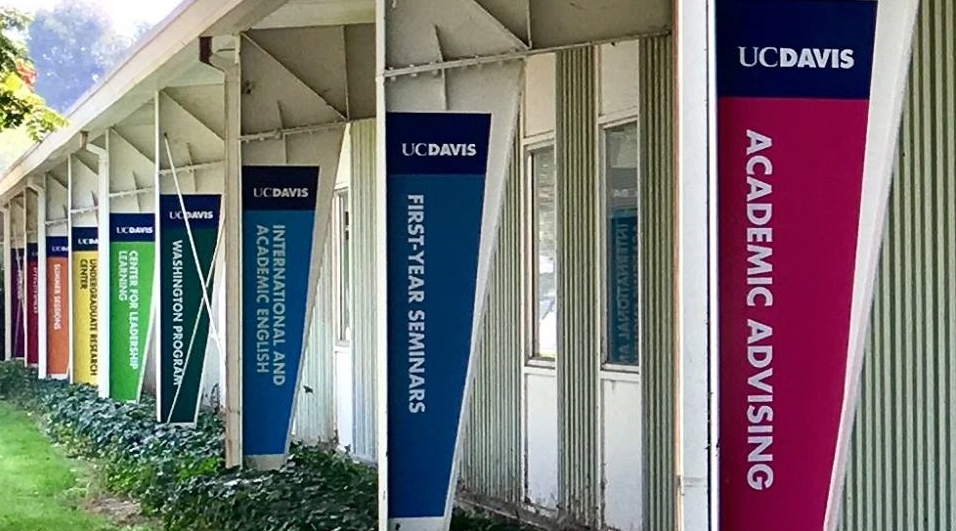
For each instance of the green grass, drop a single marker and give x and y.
(35, 481)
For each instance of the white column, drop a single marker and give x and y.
(25, 281)
(233, 254)
(157, 259)
(41, 280)
(696, 296)
(69, 262)
(7, 286)
(103, 266)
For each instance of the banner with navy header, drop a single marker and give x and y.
(33, 304)
(85, 300)
(184, 319)
(436, 170)
(278, 221)
(131, 291)
(58, 306)
(793, 85)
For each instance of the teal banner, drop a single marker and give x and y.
(184, 329)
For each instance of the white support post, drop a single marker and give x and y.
(43, 368)
(25, 281)
(69, 262)
(232, 199)
(7, 285)
(696, 404)
(103, 266)
(157, 259)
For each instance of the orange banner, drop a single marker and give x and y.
(58, 316)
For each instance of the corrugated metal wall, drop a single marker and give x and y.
(579, 333)
(363, 286)
(901, 471)
(491, 463)
(315, 404)
(657, 248)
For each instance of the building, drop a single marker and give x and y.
(568, 424)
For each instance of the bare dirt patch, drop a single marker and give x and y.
(122, 512)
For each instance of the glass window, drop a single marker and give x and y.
(622, 200)
(545, 256)
(343, 266)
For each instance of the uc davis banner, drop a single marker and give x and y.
(184, 329)
(85, 296)
(436, 167)
(278, 218)
(33, 310)
(793, 86)
(131, 292)
(58, 309)
(17, 281)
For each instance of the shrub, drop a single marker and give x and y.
(178, 474)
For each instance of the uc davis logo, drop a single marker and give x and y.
(774, 57)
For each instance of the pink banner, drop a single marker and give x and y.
(793, 104)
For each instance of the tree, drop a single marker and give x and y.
(20, 106)
(73, 45)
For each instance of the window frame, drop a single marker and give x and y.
(340, 229)
(531, 257)
(604, 127)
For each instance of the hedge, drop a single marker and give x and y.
(178, 474)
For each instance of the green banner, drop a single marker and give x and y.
(184, 329)
(132, 250)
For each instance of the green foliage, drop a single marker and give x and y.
(178, 474)
(20, 106)
(73, 45)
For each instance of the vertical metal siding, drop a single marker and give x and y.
(315, 404)
(657, 248)
(579, 333)
(900, 475)
(491, 464)
(363, 287)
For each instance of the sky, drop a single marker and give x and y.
(127, 14)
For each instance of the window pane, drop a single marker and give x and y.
(546, 253)
(623, 272)
(343, 267)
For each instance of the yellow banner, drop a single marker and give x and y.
(85, 347)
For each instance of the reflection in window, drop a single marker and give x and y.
(545, 214)
(622, 199)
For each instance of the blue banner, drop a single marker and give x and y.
(436, 165)
(278, 218)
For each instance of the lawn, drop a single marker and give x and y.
(35, 481)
